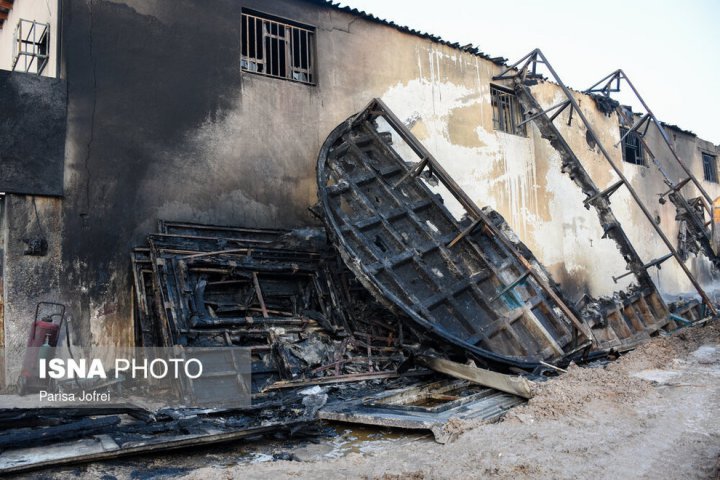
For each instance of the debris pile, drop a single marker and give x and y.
(284, 295)
(411, 308)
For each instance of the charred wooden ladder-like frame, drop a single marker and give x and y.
(387, 206)
(527, 68)
(265, 290)
(686, 210)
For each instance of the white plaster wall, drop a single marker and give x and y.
(520, 176)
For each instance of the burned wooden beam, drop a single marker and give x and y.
(31, 437)
(513, 384)
(522, 79)
(631, 317)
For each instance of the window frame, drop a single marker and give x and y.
(640, 155)
(709, 168)
(283, 48)
(31, 42)
(501, 122)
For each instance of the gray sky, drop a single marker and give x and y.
(669, 49)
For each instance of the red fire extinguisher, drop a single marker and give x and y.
(43, 337)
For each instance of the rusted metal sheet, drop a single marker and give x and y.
(457, 277)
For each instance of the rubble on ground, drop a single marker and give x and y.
(412, 308)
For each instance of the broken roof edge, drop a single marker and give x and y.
(469, 48)
(591, 96)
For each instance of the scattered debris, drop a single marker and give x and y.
(428, 406)
(283, 294)
(408, 311)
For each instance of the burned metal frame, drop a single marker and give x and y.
(31, 41)
(406, 237)
(686, 211)
(527, 67)
(275, 291)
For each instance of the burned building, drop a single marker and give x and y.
(118, 113)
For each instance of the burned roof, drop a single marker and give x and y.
(469, 48)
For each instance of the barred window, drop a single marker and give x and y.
(507, 114)
(31, 46)
(278, 48)
(632, 147)
(710, 167)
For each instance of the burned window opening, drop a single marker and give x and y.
(278, 48)
(710, 168)
(507, 114)
(632, 147)
(31, 46)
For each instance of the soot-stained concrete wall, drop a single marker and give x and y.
(32, 133)
(160, 126)
(29, 279)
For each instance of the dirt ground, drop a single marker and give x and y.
(653, 413)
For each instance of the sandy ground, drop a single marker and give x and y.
(654, 413)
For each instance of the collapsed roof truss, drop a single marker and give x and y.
(526, 70)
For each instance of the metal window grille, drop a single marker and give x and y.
(278, 49)
(506, 112)
(632, 148)
(710, 167)
(31, 46)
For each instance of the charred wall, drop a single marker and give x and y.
(32, 134)
(158, 128)
(28, 278)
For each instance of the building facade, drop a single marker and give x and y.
(214, 112)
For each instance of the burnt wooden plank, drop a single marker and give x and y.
(30, 437)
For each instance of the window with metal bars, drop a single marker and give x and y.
(31, 46)
(277, 48)
(710, 167)
(632, 147)
(507, 114)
